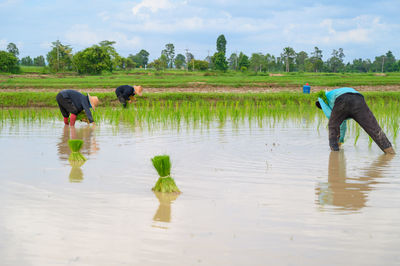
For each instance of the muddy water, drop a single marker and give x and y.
(251, 196)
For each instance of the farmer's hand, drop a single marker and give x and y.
(93, 124)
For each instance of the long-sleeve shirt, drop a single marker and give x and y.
(327, 107)
(125, 91)
(80, 101)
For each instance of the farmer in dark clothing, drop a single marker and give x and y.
(126, 93)
(73, 102)
(345, 103)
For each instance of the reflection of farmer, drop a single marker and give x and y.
(126, 93)
(344, 103)
(346, 192)
(73, 102)
(89, 147)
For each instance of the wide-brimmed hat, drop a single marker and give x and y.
(94, 101)
(138, 90)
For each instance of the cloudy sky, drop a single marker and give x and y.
(363, 28)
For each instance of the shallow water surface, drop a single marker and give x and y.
(251, 196)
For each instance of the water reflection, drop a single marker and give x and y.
(163, 213)
(349, 193)
(90, 146)
(86, 133)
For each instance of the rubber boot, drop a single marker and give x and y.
(72, 120)
(66, 121)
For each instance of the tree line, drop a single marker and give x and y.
(104, 57)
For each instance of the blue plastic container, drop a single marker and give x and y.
(306, 89)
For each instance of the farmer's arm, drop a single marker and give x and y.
(325, 108)
(88, 112)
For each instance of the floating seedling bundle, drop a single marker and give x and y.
(165, 182)
(76, 157)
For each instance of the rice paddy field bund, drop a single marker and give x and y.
(40, 78)
(259, 184)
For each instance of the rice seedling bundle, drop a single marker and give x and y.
(82, 117)
(165, 182)
(75, 145)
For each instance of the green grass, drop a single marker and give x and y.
(183, 79)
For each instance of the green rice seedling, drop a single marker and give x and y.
(165, 182)
(321, 94)
(357, 134)
(82, 117)
(75, 145)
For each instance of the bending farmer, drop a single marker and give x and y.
(73, 102)
(345, 103)
(126, 93)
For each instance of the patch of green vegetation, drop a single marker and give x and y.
(184, 79)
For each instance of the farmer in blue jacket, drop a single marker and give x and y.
(345, 103)
(73, 102)
(126, 93)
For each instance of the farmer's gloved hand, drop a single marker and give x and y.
(72, 120)
(66, 121)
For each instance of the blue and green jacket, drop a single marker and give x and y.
(328, 106)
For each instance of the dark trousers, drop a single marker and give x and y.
(353, 105)
(66, 106)
(121, 98)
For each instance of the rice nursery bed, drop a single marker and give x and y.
(257, 180)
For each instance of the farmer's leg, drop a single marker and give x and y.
(122, 100)
(363, 116)
(338, 115)
(61, 103)
(66, 108)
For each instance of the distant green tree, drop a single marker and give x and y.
(233, 61)
(60, 57)
(316, 59)
(301, 58)
(8, 62)
(12, 48)
(270, 62)
(141, 59)
(115, 58)
(219, 61)
(288, 55)
(257, 62)
(39, 61)
(189, 58)
(221, 44)
(92, 60)
(243, 61)
(130, 64)
(169, 53)
(335, 63)
(385, 63)
(159, 64)
(26, 61)
(200, 65)
(180, 61)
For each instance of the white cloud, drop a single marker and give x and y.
(152, 5)
(83, 35)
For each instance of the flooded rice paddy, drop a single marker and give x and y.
(269, 194)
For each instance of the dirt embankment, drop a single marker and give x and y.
(206, 89)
